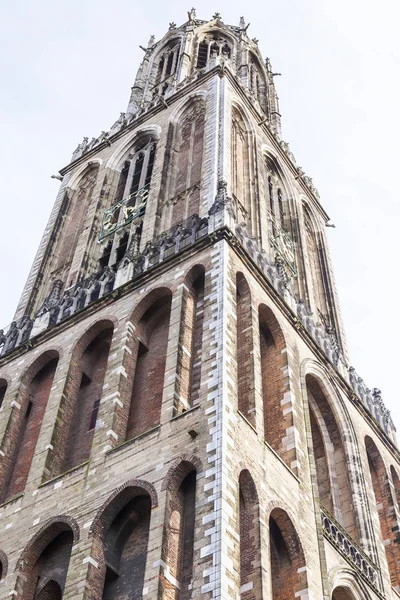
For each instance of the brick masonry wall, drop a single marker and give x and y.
(212, 435)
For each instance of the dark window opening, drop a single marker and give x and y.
(29, 409)
(93, 416)
(3, 389)
(202, 55)
(137, 174)
(105, 257)
(226, 51)
(169, 64)
(122, 247)
(160, 70)
(122, 183)
(214, 50)
(150, 165)
(271, 195)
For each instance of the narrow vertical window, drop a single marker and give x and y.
(3, 389)
(281, 210)
(202, 55)
(93, 416)
(271, 196)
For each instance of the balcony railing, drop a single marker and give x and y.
(344, 543)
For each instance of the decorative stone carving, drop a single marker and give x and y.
(373, 403)
(52, 299)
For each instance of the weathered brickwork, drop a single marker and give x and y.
(178, 419)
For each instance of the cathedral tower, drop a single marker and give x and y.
(179, 418)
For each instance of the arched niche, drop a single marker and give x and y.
(190, 347)
(25, 423)
(245, 350)
(318, 283)
(150, 354)
(179, 532)
(275, 385)
(80, 402)
(43, 566)
(385, 506)
(287, 567)
(120, 534)
(183, 164)
(249, 538)
(77, 205)
(242, 168)
(330, 458)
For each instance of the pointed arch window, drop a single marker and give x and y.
(167, 67)
(210, 47)
(187, 167)
(241, 188)
(316, 268)
(140, 169)
(202, 55)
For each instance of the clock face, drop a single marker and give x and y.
(124, 212)
(284, 247)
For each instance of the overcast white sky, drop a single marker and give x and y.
(66, 70)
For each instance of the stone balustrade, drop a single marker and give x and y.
(343, 542)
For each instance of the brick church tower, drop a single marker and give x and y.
(179, 419)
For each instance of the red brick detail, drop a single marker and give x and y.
(48, 590)
(396, 487)
(333, 469)
(287, 557)
(148, 386)
(190, 342)
(122, 495)
(245, 350)
(249, 529)
(275, 383)
(178, 539)
(92, 367)
(46, 560)
(386, 510)
(3, 389)
(180, 468)
(24, 428)
(126, 551)
(71, 438)
(120, 538)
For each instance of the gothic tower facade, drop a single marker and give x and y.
(179, 419)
